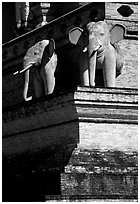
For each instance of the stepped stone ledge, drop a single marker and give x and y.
(73, 140)
(104, 110)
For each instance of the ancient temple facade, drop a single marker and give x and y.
(78, 143)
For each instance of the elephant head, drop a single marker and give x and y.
(97, 41)
(42, 58)
(34, 55)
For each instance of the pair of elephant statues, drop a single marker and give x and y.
(97, 47)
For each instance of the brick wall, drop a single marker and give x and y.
(129, 46)
(129, 76)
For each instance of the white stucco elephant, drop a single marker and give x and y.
(42, 58)
(99, 51)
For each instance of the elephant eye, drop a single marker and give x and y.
(102, 34)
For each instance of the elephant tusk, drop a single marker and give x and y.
(96, 48)
(15, 72)
(23, 70)
(28, 99)
(85, 49)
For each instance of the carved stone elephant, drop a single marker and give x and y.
(42, 58)
(99, 51)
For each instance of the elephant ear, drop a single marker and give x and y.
(51, 47)
(117, 33)
(48, 52)
(74, 35)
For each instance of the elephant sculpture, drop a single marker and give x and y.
(43, 60)
(99, 50)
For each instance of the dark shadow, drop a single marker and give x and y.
(30, 188)
(99, 80)
(67, 73)
(31, 175)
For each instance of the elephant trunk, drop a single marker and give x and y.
(92, 69)
(92, 51)
(26, 85)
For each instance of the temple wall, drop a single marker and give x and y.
(129, 76)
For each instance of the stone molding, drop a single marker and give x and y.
(91, 105)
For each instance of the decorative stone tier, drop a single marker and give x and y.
(84, 143)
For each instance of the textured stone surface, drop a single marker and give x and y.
(101, 173)
(112, 16)
(101, 186)
(88, 137)
(108, 136)
(129, 46)
(129, 76)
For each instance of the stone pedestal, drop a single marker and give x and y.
(88, 137)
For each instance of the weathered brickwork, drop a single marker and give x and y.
(129, 76)
(112, 15)
(129, 46)
(100, 185)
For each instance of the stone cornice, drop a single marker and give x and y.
(84, 105)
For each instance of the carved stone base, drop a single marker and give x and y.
(87, 139)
